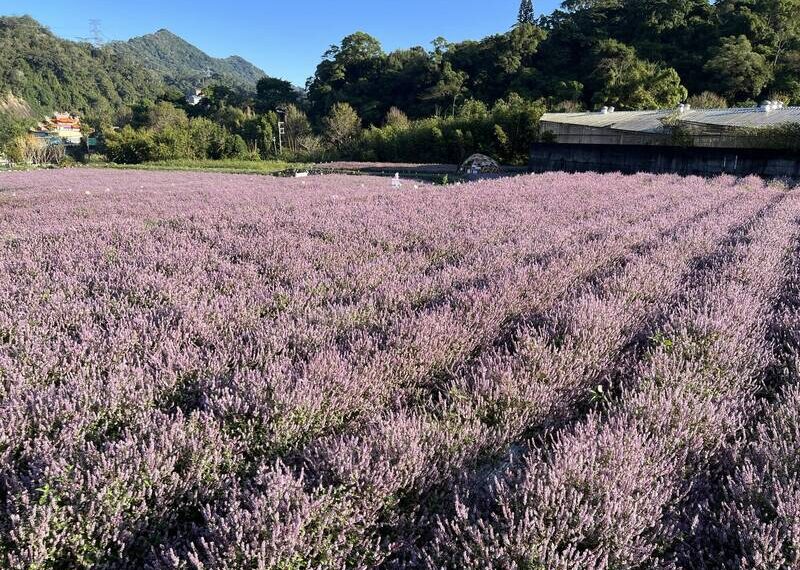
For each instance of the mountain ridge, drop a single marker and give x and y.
(183, 65)
(42, 73)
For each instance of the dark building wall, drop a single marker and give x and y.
(635, 158)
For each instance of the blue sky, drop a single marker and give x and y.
(285, 39)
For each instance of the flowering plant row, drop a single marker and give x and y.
(554, 371)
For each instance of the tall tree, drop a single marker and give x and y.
(352, 72)
(739, 71)
(296, 127)
(772, 26)
(164, 115)
(623, 80)
(257, 133)
(525, 12)
(449, 87)
(341, 126)
(271, 93)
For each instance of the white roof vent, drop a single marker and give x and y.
(604, 111)
(681, 108)
(687, 107)
(611, 109)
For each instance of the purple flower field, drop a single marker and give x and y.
(204, 371)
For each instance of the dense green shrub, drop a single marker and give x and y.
(11, 129)
(197, 139)
(505, 133)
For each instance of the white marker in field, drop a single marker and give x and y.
(396, 180)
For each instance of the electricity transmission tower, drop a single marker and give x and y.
(96, 32)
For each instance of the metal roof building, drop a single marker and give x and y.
(683, 140)
(719, 128)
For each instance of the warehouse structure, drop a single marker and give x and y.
(685, 140)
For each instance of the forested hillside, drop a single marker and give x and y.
(633, 54)
(51, 73)
(182, 65)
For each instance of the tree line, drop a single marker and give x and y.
(632, 54)
(219, 129)
(448, 100)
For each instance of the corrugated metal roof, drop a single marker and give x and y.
(747, 117)
(640, 121)
(650, 121)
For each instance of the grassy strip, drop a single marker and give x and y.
(231, 166)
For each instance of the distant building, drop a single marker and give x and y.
(682, 140)
(195, 97)
(60, 128)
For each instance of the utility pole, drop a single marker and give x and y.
(281, 128)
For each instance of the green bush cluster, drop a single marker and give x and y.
(200, 139)
(163, 131)
(11, 129)
(505, 133)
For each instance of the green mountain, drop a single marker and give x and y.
(42, 73)
(45, 73)
(182, 65)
